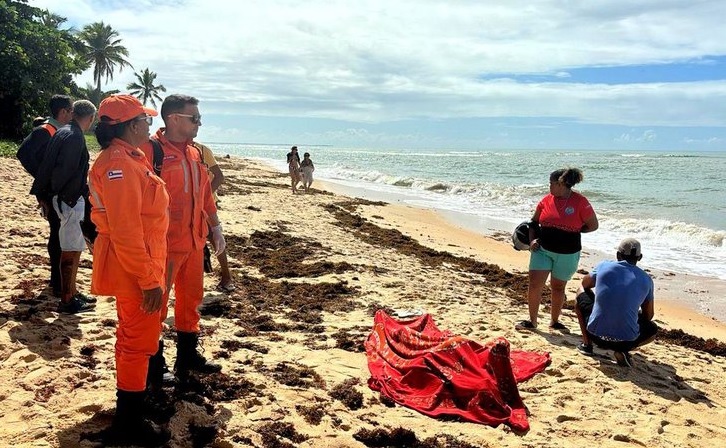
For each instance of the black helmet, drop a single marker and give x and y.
(520, 236)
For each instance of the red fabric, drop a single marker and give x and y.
(443, 375)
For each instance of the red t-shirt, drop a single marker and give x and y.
(561, 220)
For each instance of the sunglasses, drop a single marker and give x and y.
(196, 119)
(148, 119)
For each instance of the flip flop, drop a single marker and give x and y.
(229, 287)
(559, 327)
(525, 325)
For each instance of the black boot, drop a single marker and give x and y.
(188, 358)
(129, 426)
(158, 374)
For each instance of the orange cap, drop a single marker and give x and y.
(121, 108)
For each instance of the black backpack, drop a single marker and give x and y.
(32, 156)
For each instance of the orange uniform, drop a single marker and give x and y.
(130, 210)
(191, 202)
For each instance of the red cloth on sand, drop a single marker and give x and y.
(443, 375)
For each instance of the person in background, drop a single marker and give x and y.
(192, 212)
(216, 178)
(293, 165)
(37, 121)
(62, 176)
(30, 154)
(555, 243)
(130, 209)
(618, 315)
(307, 168)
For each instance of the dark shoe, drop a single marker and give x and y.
(188, 358)
(559, 327)
(75, 306)
(525, 325)
(585, 349)
(129, 426)
(85, 298)
(158, 374)
(623, 359)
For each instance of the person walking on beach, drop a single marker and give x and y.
(30, 154)
(130, 209)
(555, 243)
(216, 178)
(62, 176)
(307, 168)
(192, 212)
(293, 165)
(618, 315)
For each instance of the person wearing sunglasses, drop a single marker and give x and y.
(192, 210)
(130, 209)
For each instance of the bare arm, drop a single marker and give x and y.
(648, 310)
(591, 224)
(218, 178)
(588, 282)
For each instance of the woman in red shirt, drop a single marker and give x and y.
(555, 244)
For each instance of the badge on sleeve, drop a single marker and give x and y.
(115, 174)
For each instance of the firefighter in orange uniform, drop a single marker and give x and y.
(130, 209)
(191, 210)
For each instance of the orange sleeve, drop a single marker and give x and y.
(122, 196)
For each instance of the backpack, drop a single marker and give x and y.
(158, 157)
(32, 156)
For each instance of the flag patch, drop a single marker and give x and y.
(115, 174)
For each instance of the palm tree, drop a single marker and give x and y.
(94, 95)
(104, 51)
(51, 19)
(145, 89)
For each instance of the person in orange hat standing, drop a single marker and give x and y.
(192, 210)
(130, 210)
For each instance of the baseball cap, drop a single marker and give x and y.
(121, 108)
(630, 247)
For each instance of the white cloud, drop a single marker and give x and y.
(628, 137)
(380, 60)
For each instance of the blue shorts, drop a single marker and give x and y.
(562, 266)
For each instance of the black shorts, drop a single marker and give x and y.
(647, 328)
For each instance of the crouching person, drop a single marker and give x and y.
(130, 210)
(618, 314)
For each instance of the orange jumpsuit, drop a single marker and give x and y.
(130, 209)
(191, 203)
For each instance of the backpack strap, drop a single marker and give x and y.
(48, 127)
(158, 161)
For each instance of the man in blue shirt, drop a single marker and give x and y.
(618, 315)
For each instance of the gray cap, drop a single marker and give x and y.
(629, 247)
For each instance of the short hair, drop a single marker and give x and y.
(307, 154)
(58, 103)
(83, 109)
(175, 103)
(37, 121)
(568, 176)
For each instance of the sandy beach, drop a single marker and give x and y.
(312, 270)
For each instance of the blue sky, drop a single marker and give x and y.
(612, 74)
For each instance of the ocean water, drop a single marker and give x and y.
(673, 202)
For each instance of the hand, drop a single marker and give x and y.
(534, 245)
(44, 208)
(218, 240)
(151, 302)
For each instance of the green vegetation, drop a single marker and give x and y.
(92, 143)
(40, 59)
(8, 148)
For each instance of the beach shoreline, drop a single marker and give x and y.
(311, 270)
(677, 295)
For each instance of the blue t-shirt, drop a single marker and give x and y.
(620, 289)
